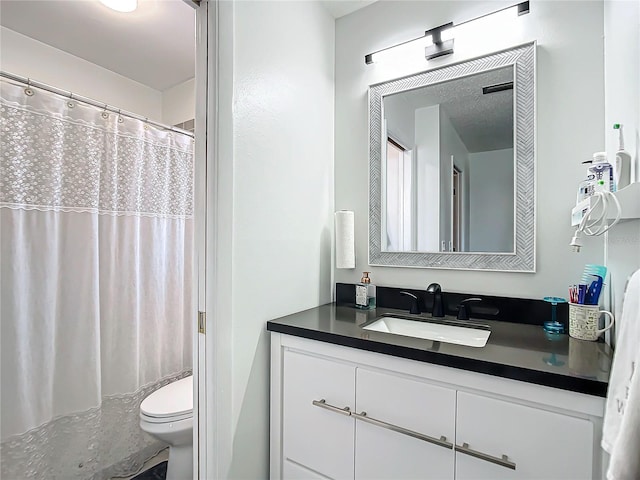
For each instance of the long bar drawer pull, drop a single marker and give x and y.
(323, 404)
(442, 441)
(504, 461)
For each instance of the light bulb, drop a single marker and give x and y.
(404, 52)
(121, 5)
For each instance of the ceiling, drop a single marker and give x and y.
(340, 8)
(483, 122)
(154, 45)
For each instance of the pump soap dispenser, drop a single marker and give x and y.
(365, 293)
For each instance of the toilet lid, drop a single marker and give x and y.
(171, 400)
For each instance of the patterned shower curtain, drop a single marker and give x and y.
(96, 223)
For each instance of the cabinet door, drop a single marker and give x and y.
(538, 443)
(317, 429)
(405, 414)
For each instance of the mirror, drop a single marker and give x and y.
(452, 159)
(445, 149)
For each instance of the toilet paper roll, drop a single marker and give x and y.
(345, 240)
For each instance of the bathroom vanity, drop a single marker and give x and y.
(353, 403)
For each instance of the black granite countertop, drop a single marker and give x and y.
(516, 351)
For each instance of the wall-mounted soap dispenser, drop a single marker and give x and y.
(365, 293)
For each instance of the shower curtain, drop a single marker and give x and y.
(96, 223)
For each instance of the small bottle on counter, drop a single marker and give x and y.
(365, 293)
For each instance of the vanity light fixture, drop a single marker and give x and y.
(124, 6)
(437, 41)
(498, 87)
(442, 38)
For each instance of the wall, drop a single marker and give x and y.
(179, 103)
(400, 118)
(427, 134)
(622, 105)
(279, 229)
(491, 201)
(22, 55)
(570, 108)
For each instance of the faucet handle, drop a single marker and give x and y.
(463, 314)
(415, 305)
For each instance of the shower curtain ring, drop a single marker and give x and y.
(105, 115)
(120, 119)
(28, 91)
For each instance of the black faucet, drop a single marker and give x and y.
(438, 308)
(463, 310)
(415, 304)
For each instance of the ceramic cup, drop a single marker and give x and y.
(583, 321)
(586, 358)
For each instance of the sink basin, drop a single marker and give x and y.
(457, 332)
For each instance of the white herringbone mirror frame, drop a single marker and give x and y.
(522, 59)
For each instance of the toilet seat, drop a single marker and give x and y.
(171, 403)
(175, 418)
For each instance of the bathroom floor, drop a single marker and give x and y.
(157, 472)
(154, 469)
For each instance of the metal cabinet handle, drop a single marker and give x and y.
(442, 441)
(504, 461)
(323, 404)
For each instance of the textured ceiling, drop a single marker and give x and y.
(483, 122)
(154, 45)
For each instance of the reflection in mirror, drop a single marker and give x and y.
(452, 165)
(449, 169)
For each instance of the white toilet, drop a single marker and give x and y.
(167, 414)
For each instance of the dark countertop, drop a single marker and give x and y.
(516, 351)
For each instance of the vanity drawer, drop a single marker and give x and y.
(405, 417)
(318, 436)
(537, 443)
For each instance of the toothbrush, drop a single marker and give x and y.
(623, 161)
(593, 292)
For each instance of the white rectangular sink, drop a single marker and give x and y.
(440, 332)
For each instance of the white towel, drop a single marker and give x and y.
(621, 430)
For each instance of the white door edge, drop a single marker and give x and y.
(200, 240)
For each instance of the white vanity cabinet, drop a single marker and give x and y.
(344, 413)
(404, 427)
(318, 430)
(536, 444)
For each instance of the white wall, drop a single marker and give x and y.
(622, 105)
(427, 135)
(179, 103)
(279, 236)
(400, 116)
(22, 55)
(491, 201)
(570, 108)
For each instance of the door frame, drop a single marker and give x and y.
(200, 238)
(213, 408)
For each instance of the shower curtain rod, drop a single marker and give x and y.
(32, 83)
